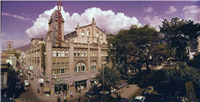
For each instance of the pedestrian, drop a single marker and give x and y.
(119, 96)
(65, 99)
(79, 99)
(71, 94)
(38, 90)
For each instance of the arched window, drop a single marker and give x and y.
(54, 53)
(101, 36)
(93, 66)
(82, 33)
(67, 53)
(88, 32)
(80, 67)
(62, 53)
(58, 53)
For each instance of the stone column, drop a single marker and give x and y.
(99, 55)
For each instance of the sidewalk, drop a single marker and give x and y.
(44, 98)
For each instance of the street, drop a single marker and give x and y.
(23, 95)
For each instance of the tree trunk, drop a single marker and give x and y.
(147, 66)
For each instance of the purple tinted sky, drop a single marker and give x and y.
(18, 15)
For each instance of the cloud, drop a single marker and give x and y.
(15, 44)
(148, 10)
(154, 21)
(106, 20)
(172, 9)
(192, 12)
(16, 16)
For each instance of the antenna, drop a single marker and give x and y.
(59, 4)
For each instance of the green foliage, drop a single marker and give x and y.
(135, 41)
(108, 76)
(183, 75)
(163, 50)
(178, 34)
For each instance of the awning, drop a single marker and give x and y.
(47, 89)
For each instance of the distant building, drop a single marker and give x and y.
(195, 47)
(4, 75)
(75, 64)
(9, 58)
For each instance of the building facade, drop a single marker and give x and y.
(74, 65)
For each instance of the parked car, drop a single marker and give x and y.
(149, 90)
(21, 74)
(26, 83)
(139, 99)
(88, 94)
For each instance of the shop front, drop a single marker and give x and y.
(61, 87)
(80, 85)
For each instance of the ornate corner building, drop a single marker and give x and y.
(61, 63)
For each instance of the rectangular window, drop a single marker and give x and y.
(67, 64)
(90, 53)
(94, 67)
(85, 53)
(62, 71)
(78, 53)
(78, 68)
(58, 65)
(62, 65)
(91, 68)
(54, 65)
(82, 68)
(75, 54)
(67, 70)
(58, 71)
(66, 53)
(82, 54)
(53, 71)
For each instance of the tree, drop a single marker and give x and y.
(108, 77)
(162, 51)
(135, 43)
(178, 34)
(178, 77)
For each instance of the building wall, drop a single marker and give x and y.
(76, 63)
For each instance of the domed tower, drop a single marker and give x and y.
(56, 27)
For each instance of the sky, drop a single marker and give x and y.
(23, 20)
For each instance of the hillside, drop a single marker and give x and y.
(23, 48)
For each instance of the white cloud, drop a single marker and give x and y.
(106, 20)
(16, 16)
(147, 10)
(15, 44)
(172, 9)
(192, 12)
(154, 21)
